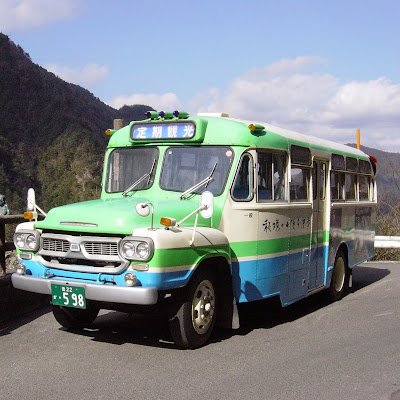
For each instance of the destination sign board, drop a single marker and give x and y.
(163, 131)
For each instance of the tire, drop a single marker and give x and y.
(191, 326)
(340, 278)
(75, 318)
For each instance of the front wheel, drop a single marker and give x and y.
(75, 318)
(191, 326)
(340, 278)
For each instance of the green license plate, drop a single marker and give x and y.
(68, 296)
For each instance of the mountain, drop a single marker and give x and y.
(387, 177)
(51, 132)
(52, 136)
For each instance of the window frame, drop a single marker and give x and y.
(251, 178)
(127, 149)
(192, 146)
(272, 153)
(306, 165)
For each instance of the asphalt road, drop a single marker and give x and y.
(312, 350)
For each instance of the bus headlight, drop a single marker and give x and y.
(19, 240)
(128, 250)
(32, 242)
(143, 250)
(27, 240)
(136, 248)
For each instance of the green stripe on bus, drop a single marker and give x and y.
(166, 258)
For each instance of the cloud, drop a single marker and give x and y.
(295, 95)
(85, 76)
(27, 14)
(376, 101)
(165, 101)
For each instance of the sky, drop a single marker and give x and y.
(323, 68)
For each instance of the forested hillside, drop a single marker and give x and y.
(387, 178)
(51, 133)
(52, 137)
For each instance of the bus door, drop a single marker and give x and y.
(318, 248)
(273, 223)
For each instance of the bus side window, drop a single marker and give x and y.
(242, 189)
(264, 176)
(337, 185)
(351, 186)
(279, 171)
(365, 182)
(271, 176)
(299, 185)
(300, 173)
(364, 187)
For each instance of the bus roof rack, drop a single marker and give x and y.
(211, 114)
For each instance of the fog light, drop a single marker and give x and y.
(130, 279)
(20, 269)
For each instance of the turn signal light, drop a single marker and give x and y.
(109, 132)
(256, 127)
(30, 215)
(168, 222)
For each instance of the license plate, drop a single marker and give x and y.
(68, 296)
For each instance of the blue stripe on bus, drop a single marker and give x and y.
(252, 280)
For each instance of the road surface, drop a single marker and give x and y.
(311, 350)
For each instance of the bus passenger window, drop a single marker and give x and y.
(242, 189)
(364, 186)
(300, 173)
(322, 181)
(337, 185)
(271, 176)
(279, 170)
(299, 185)
(314, 181)
(264, 177)
(350, 186)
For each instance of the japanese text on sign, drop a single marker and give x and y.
(163, 131)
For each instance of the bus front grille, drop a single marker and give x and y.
(101, 248)
(56, 245)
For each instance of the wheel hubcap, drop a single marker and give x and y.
(339, 274)
(203, 307)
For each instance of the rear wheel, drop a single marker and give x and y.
(75, 318)
(340, 278)
(191, 326)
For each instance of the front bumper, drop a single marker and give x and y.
(98, 292)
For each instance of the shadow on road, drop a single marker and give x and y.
(120, 328)
(152, 330)
(8, 326)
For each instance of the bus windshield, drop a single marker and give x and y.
(131, 169)
(196, 168)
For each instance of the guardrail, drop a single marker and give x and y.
(7, 246)
(387, 242)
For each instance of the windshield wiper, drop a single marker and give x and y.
(142, 178)
(205, 181)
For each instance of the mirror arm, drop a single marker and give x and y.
(194, 230)
(189, 215)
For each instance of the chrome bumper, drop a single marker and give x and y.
(98, 292)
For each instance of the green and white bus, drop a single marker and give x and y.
(198, 214)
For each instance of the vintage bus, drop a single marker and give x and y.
(200, 213)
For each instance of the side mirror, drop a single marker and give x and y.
(207, 204)
(143, 209)
(31, 200)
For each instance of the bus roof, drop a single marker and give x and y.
(216, 130)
